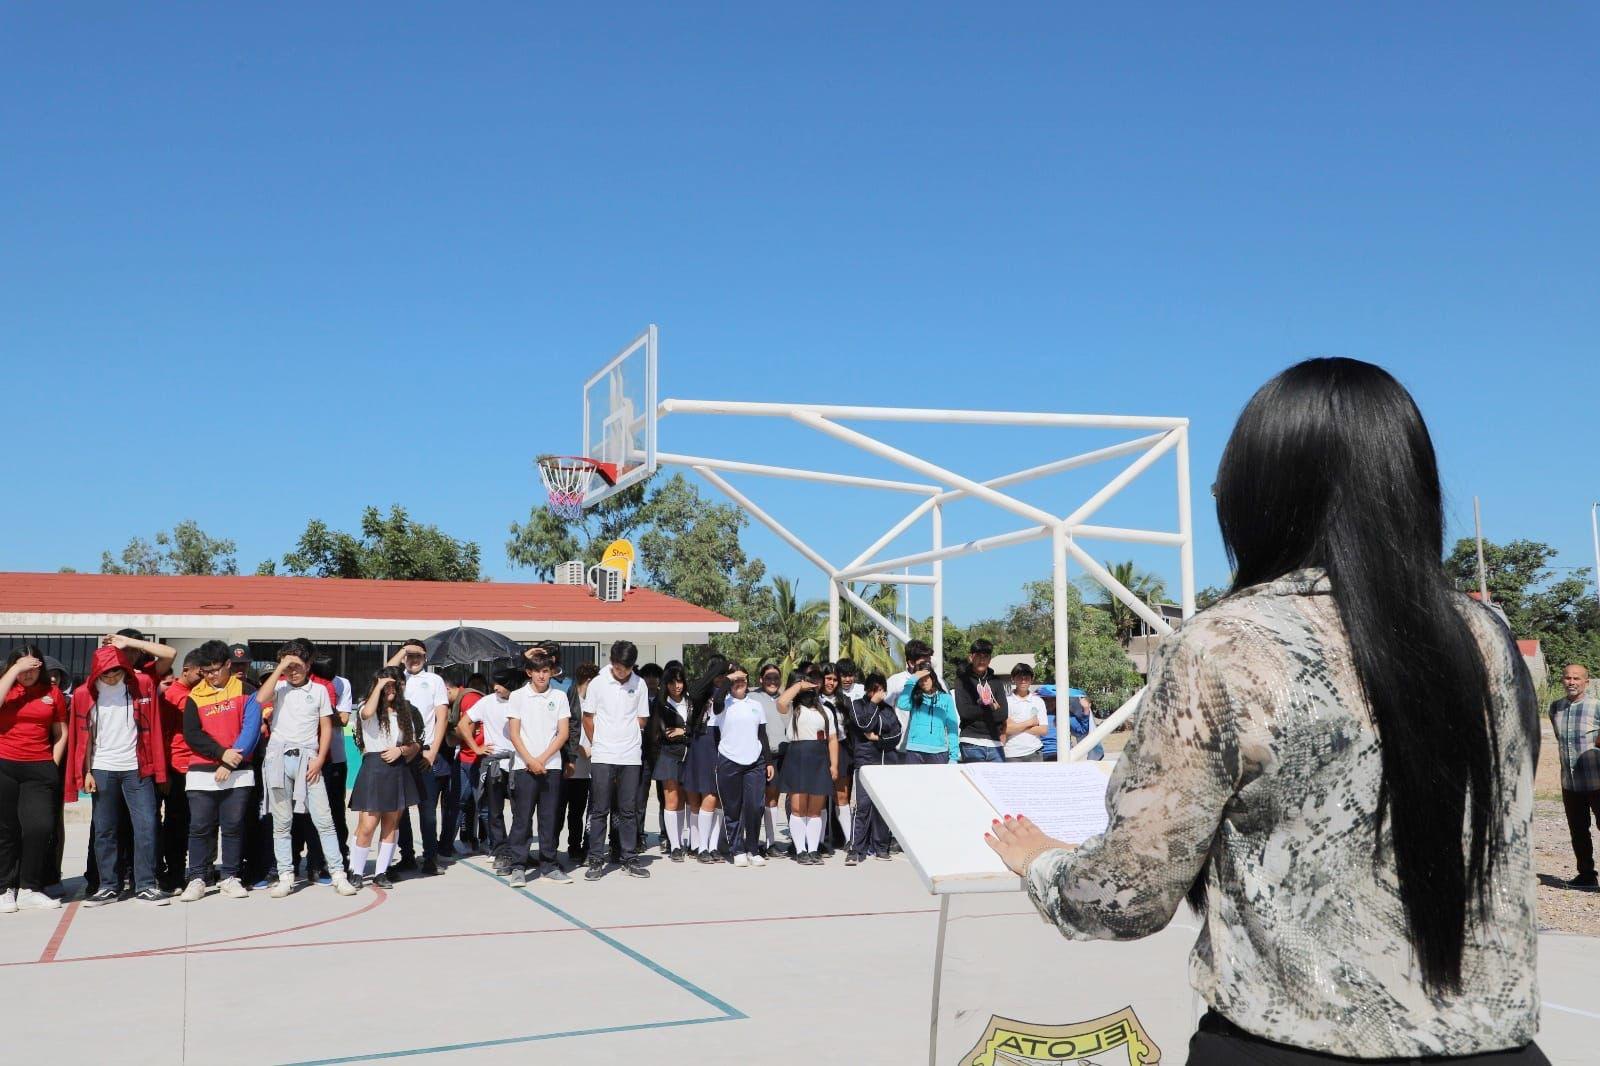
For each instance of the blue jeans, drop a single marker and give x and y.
(926, 758)
(114, 791)
(981, 753)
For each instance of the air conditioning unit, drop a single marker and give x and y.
(570, 573)
(609, 585)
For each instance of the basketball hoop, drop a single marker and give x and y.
(566, 481)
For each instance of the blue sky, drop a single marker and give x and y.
(261, 265)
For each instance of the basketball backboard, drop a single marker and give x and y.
(619, 416)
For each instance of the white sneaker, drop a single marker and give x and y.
(342, 885)
(8, 901)
(284, 886)
(757, 860)
(741, 859)
(29, 900)
(233, 888)
(193, 892)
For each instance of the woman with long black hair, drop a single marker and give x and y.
(670, 718)
(1335, 762)
(385, 788)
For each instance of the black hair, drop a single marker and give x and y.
(18, 652)
(805, 697)
(415, 643)
(477, 683)
(981, 646)
(875, 680)
(538, 662)
(1331, 466)
(670, 663)
(296, 648)
(192, 659)
(213, 652)
(674, 672)
(507, 678)
(918, 649)
(624, 653)
(394, 699)
(1022, 670)
(847, 666)
(585, 673)
(650, 670)
(131, 632)
(323, 666)
(311, 646)
(764, 667)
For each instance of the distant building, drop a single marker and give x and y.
(1002, 664)
(361, 623)
(1533, 655)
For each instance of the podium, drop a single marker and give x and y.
(940, 818)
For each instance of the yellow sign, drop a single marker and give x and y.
(1117, 1039)
(619, 556)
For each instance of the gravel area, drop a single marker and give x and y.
(1561, 909)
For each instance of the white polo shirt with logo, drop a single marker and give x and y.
(540, 715)
(617, 707)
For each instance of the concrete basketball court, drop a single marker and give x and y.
(704, 964)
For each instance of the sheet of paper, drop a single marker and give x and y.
(1067, 802)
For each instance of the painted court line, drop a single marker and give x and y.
(50, 949)
(728, 1013)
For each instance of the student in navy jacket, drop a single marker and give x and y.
(872, 731)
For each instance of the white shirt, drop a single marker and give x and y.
(373, 740)
(857, 691)
(540, 715)
(296, 713)
(490, 712)
(426, 692)
(336, 742)
(1020, 709)
(806, 722)
(617, 707)
(741, 730)
(115, 736)
(777, 721)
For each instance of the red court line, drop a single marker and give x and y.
(50, 949)
(212, 947)
(183, 949)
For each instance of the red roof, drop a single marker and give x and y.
(326, 597)
(1529, 648)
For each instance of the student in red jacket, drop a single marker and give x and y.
(115, 752)
(33, 738)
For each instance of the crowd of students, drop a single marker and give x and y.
(202, 779)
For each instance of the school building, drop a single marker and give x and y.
(360, 623)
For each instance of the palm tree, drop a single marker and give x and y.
(860, 638)
(794, 624)
(1147, 587)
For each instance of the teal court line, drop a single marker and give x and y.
(727, 1013)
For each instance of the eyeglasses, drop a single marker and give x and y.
(217, 668)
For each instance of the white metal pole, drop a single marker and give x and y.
(914, 414)
(1121, 481)
(894, 531)
(1019, 536)
(1130, 536)
(911, 462)
(938, 591)
(833, 621)
(1483, 579)
(765, 519)
(889, 578)
(1118, 589)
(733, 467)
(1185, 527)
(1058, 572)
(902, 635)
(1082, 748)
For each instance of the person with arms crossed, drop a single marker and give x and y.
(221, 728)
(873, 733)
(1363, 866)
(1027, 718)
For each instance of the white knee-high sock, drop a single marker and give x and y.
(358, 860)
(674, 830)
(769, 825)
(846, 817)
(814, 834)
(385, 856)
(685, 820)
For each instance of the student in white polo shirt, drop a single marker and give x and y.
(537, 718)
(615, 710)
(493, 754)
(426, 692)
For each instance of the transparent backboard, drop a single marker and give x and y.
(619, 416)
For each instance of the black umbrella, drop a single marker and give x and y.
(465, 645)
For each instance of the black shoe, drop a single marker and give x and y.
(404, 866)
(761, 850)
(1584, 881)
(676, 854)
(635, 868)
(853, 859)
(154, 896)
(595, 872)
(885, 857)
(357, 880)
(894, 849)
(382, 881)
(430, 869)
(704, 857)
(101, 897)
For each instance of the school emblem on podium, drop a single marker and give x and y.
(1113, 1040)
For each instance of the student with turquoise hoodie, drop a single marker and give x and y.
(933, 730)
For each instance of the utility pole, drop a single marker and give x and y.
(1594, 528)
(1483, 579)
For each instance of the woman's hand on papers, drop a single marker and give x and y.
(1018, 842)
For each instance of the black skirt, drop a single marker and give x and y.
(805, 769)
(670, 761)
(383, 787)
(700, 766)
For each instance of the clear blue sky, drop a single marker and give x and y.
(260, 265)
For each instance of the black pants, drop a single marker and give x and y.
(573, 809)
(257, 862)
(1580, 806)
(541, 793)
(27, 823)
(869, 833)
(174, 833)
(450, 800)
(427, 814)
(229, 811)
(1218, 1042)
(741, 792)
(615, 788)
(641, 805)
(496, 786)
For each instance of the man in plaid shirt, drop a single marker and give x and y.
(1576, 721)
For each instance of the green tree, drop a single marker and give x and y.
(1559, 612)
(1147, 587)
(861, 639)
(1208, 596)
(187, 550)
(546, 540)
(792, 625)
(1098, 663)
(389, 547)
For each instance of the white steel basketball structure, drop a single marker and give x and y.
(620, 399)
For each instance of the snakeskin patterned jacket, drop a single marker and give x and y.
(1254, 759)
